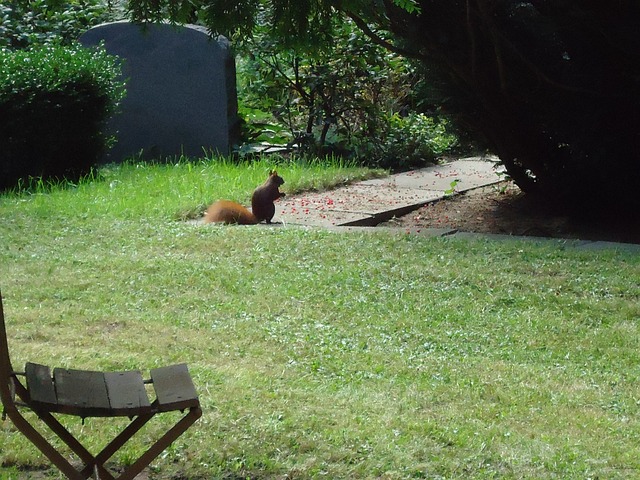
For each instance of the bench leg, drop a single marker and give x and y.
(97, 463)
(161, 444)
(44, 446)
(115, 444)
(91, 463)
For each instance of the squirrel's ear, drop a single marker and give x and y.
(273, 173)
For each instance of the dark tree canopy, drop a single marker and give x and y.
(552, 86)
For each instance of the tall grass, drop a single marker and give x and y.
(324, 355)
(182, 188)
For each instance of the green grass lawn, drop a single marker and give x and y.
(325, 355)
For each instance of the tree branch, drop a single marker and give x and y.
(378, 40)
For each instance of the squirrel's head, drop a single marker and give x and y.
(274, 177)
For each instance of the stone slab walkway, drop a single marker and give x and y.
(371, 202)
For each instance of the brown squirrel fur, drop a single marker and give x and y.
(262, 206)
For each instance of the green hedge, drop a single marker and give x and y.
(54, 102)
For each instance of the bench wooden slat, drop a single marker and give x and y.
(81, 392)
(40, 385)
(127, 395)
(174, 387)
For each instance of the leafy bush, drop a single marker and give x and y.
(331, 106)
(406, 141)
(54, 102)
(24, 23)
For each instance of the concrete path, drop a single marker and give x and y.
(368, 203)
(371, 202)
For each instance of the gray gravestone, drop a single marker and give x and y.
(181, 90)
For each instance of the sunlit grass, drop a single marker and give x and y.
(324, 355)
(180, 189)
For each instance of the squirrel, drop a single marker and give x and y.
(262, 207)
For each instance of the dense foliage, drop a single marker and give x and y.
(552, 86)
(36, 22)
(362, 108)
(54, 101)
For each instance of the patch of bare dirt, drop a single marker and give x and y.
(504, 209)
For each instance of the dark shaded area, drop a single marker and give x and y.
(506, 210)
(552, 86)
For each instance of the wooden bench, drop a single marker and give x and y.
(86, 394)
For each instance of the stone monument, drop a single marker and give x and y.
(181, 90)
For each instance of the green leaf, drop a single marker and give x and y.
(411, 6)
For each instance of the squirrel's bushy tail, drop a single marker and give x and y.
(226, 211)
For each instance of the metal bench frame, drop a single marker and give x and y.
(94, 394)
